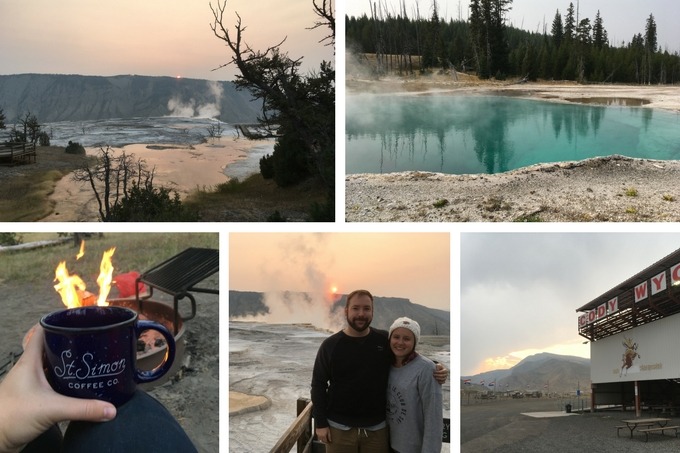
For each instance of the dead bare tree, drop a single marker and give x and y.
(111, 177)
(325, 12)
(263, 85)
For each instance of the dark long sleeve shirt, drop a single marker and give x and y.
(349, 380)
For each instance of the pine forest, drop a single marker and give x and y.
(569, 48)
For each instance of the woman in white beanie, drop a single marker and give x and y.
(414, 399)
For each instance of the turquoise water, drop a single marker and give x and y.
(494, 134)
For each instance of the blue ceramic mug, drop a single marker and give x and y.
(91, 352)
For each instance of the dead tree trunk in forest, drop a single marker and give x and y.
(379, 39)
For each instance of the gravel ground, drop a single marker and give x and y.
(605, 189)
(499, 426)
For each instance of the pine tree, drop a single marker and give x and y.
(433, 47)
(477, 35)
(650, 34)
(650, 46)
(557, 30)
(500, 62)
(487, 29)
(599, 33)
(569, 23)
(583, 32)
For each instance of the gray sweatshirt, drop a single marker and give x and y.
(414, 408)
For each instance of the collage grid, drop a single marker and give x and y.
(520, 261)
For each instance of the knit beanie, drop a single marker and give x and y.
(409, 324)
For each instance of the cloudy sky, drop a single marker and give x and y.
(520, 292)
(622, 18)
(146, 37)
(411, 265)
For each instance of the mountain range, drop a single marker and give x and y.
(385, 310)
(543, 372)
(54, 97)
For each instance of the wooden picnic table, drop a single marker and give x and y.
(634, 423)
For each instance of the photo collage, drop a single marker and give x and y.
(490, 262)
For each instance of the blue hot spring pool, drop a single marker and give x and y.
(492, 134)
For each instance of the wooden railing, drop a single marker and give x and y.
(300, 432)
(13, 153)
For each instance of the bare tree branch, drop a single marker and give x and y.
(326, 19)
(301, 107)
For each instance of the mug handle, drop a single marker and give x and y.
(147, 376)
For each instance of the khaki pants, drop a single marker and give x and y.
(357, 440)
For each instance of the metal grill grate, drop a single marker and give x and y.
(178, 276)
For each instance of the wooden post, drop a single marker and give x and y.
(301, 427)
(306, 435)
(592, 397)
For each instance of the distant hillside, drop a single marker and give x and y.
(386, 310)
(561, 374)
(54, 98)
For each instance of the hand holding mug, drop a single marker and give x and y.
(30, 406)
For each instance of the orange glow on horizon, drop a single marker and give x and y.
(337, 263)
(497, 363)
(576, 349)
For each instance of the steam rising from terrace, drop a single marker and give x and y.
(191, 109)
(314, 304)
(287, 307)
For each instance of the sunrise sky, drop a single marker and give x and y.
(519, 292)
(410, 265)
(149, 37)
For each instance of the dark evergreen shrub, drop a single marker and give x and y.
(267, 166)
(151, 204)
(75, 148)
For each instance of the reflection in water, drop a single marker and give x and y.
(646, 117)
(617, 102)
(493, 150)
(491, 134)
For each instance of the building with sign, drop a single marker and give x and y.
(634, 334)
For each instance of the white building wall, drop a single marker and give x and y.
(653, 350)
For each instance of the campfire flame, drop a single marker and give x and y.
(105, 276)
(72, 288)
(81, 253)
(68, 286)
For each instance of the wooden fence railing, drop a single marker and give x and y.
(300, 432)
(14, 153)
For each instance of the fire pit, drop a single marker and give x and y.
(151, 347)
(176, 276)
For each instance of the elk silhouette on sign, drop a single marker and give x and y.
(629, 355)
